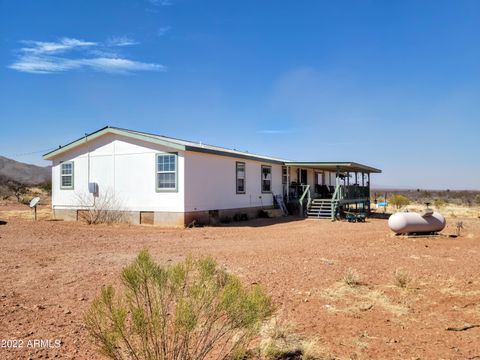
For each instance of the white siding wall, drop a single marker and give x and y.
(210, 183)
(123, 167)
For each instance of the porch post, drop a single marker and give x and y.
(288, 184)
(368, 192)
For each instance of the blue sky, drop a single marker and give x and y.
(393, 84)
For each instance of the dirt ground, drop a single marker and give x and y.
(51, 270)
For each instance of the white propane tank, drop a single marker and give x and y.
(410, 222)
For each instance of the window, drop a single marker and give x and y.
(285, 174)
(240, 171)
(66, 175)
(266, 178)
(166, 172)
(320, 178)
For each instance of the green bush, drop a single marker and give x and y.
(439, 203)
(187, 311)
(399, 201)
(477, 199)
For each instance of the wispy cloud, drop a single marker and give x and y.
(45, 65)
(66, 54)
(161, 2)
(121, 41)
(163, 30)
(64, 44)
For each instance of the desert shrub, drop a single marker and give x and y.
(240, 217)
(47, 187)
(226, 220)
(190, 310)
(102, 209)
(459, 227)
(439, 203)
(399, 201)
(402, 278)
(25, 200)
(17, 189)
(351, 278)
(262, 213)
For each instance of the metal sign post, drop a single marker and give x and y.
(33, 204)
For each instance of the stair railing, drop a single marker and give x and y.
(337, 195)
(306, 192)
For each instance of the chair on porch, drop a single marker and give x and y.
(323, 191)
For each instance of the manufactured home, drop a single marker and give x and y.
(171, 182)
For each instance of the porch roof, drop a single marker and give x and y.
(333, 166)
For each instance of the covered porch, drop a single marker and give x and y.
(320, 189)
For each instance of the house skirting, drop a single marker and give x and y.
(173, 219)
(214, 217)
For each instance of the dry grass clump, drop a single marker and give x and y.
(347, 299)
(351, 278)
(280, 342)
(402, 278)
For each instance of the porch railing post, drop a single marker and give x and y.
(288, 184)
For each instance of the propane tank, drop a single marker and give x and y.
(409, 222)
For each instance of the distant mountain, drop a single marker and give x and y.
(24, 173)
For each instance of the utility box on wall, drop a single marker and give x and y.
(93, 188)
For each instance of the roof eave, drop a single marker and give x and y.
(234, 155)
(339, 165)
(109, 130)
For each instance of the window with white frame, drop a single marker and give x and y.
(266, 178)
(240, 176)
(166, 172)
(66, 175)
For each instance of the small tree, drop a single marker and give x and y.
(399, 201)
(18, 189)
(187, 311)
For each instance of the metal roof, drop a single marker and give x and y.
(343, 166)
(178, 144)
(186, 145)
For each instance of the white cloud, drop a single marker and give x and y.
(121, 41)
(161, 2)
(45, 65)
(64, 44)
(163, 30)
(72, 54)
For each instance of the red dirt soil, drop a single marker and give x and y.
(51, 270)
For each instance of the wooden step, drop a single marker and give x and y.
(319, 214)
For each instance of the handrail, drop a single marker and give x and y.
(305, 192)
(336, 196)
(336, 193)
